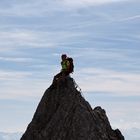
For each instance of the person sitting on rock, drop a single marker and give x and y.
(65, 68)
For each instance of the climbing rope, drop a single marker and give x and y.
(78, 88)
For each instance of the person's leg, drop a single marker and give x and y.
(60, 76)
(57, 76)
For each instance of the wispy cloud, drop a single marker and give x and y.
(83, 3)
(34, 39)
(102, 80)
(23, 85)
(14, 39)
(131, 18)
(16, 59)
(30, 8)
(41, 8)
(9, 75)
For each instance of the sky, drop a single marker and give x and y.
(103, 38)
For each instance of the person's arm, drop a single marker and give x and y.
(68, 65)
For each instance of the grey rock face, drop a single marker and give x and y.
(63, 114)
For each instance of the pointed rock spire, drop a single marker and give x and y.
(63, 114)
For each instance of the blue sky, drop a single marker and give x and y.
(103, 37)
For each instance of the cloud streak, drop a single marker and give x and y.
(84, 3)
(41, 8)
(35, 39)
(102, 80)
(131, 18)
(16, 59)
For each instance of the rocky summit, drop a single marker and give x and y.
(63, 114)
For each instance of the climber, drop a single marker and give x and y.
(66, 68)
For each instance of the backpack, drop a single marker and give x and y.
(71, 68)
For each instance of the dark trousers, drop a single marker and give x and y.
(60, 75)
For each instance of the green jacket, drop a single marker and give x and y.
(65, 65)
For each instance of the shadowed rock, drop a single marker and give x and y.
(63, 114)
